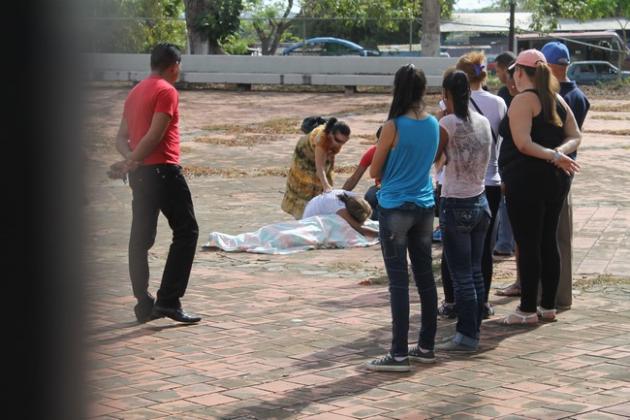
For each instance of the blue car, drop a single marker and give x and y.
(328, 46)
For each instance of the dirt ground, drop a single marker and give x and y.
(247, 138)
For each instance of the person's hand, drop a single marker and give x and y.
(564, 162)
(132, 165)
(327, 189)
(118, 170)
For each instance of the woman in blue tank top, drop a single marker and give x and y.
(403, 158)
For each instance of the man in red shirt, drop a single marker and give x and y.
(148, 139)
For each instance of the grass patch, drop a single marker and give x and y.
(363, 109)
(375, 281)
(231, 172)
(382, 279)
(243, 140)
(273, 126)
(601, 280)
(192, 171)
(611, 117)
(620, 132)
(610, 107)
(198, 171)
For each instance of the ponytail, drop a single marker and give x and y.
(456, 83)
(330, 124)
(473, 64)
(547, 87)
(410, 85)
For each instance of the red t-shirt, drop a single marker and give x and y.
(153, 94)
(366, 160)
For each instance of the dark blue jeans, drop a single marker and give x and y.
(402, 229)
(370, 197)
(464, 223)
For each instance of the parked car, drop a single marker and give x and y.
(328, 46)
(591, 72)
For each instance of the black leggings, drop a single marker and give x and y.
(493, 195)
(534, 205)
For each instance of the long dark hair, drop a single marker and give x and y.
(456, 83)
(409, 87)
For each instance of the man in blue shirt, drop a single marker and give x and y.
(558, 59)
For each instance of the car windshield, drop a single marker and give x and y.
(604, 68)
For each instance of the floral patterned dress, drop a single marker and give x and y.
(302, 181)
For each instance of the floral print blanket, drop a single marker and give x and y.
(328, 231)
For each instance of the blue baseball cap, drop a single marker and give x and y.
(556, 53)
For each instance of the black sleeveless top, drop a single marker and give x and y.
(543, 133)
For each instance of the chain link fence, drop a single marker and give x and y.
(386, 36)
(379, 37)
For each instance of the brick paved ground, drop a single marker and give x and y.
(286, 336)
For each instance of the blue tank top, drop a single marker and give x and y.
(407, 170)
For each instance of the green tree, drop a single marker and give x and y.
(132, 26)
(367, 21)
(270, 21)
(211, 22)
(545, 14)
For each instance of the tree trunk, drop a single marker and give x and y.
(277, 27)
(197, 43)
(215, 48)
(264, 39)
(430, 43)
(197, 40)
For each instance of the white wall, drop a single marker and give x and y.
(338, 71)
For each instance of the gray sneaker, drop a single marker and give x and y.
(389, 364)
(417, 355)
(453, 347)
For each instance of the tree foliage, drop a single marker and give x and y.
(545, 13)
(366, 21)
(270, 20)
(211, 22)
(132, 26)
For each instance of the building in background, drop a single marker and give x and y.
(489, 32)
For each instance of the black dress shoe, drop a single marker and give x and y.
(144, 310)
(176, 314)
